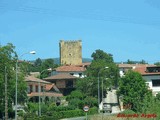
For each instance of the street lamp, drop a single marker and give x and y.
(102, 89)
(39, 90)
(31, 52)
(99, 87)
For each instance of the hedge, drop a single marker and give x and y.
(61, 114)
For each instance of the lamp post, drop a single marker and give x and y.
(102, 88)
(6, 96)
(99, 88)
(39, 91)
(31, 52)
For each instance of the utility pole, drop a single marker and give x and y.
(6, 97)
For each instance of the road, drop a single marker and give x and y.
(112, 99)
(99, 116)
(76, 118)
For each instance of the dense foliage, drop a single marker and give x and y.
(41, 66)
(103, 68)
(53, 112)
(135, 92)
(8, 58)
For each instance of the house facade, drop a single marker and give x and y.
(46, 91)
(66, 83)
(152, 76)
(150, 73)
(123, 68)
(74, 70)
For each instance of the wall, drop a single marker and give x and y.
(70, 52)
(149, 79)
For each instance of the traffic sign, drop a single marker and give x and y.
(86, 108)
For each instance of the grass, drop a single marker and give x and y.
(114, 117)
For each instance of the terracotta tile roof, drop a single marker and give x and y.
(45, 94)
(70, 68)
(142, 70)
(133, 65)
(34, 79)
(84, 64)
(49, 86)
(61, 76)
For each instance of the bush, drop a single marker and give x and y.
(69, 113)
(93, 111)
(29, 116)
(128, 111)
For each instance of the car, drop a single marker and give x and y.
(107, 108)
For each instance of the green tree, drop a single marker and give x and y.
(101, 55)
(48, 63)
(36, 66)
(130, 62)
(134, 91)
(101, 60)
(38, 62)
(42, 66)
(8, 59)
(7, 55)
(142, 62)
(87, 85)
(76, 99)
(157, 63)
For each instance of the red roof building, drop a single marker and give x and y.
(47, 89)
(64, 82)
(152, 76)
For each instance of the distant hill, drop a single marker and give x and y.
(84, 60)
(57, 60)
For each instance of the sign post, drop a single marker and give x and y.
(86, 109)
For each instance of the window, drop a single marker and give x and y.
(30, 88)
(69, 84)
(42, 88)
(36, 88)
(71, 73)
(80, 74)
(156, 83)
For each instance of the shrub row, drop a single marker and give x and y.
(61, 114)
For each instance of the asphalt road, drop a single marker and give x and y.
(77, 118)
(112, 99)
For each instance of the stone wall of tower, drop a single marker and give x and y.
(70, 52)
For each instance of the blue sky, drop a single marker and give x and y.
(127, 29)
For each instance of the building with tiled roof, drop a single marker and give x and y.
(64, 82)
(123, 68)
(151, 73)
(152, 76)
(74, 70)
(47, 89)
(70, 68)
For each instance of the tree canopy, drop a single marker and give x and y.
(134, 91)
(100, 61)
(42, 66)
(101, 55)
(110, 75)
(8, 59)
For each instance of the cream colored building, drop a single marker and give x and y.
(70, 52)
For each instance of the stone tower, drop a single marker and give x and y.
(70, 52)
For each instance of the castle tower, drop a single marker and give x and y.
(70, 52)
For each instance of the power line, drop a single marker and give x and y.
(81, 15)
